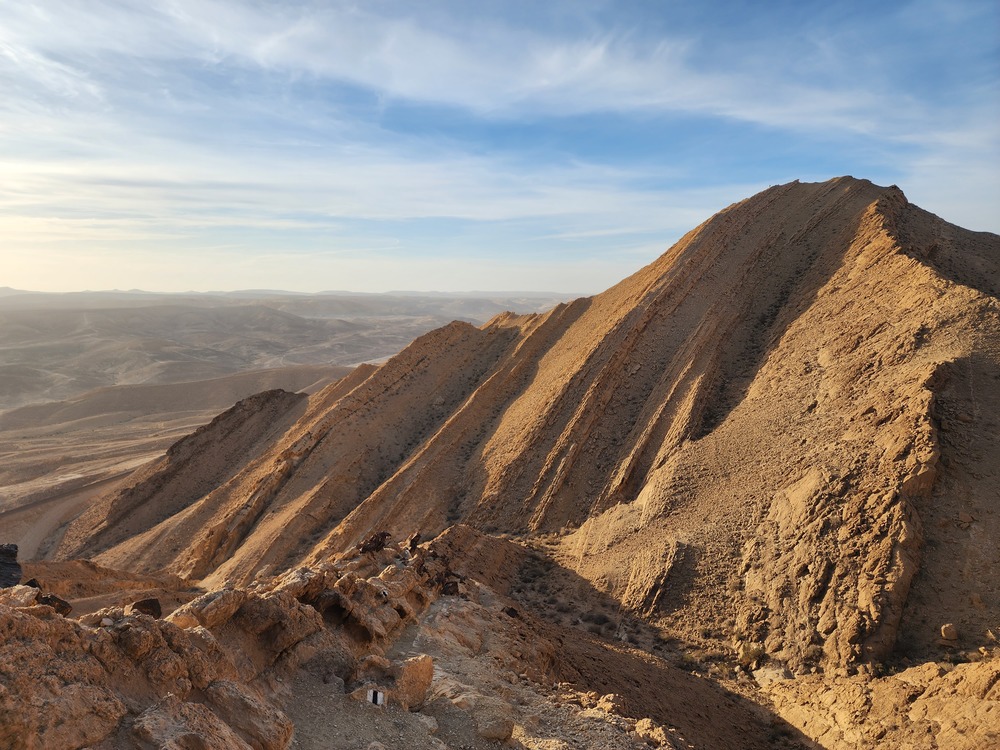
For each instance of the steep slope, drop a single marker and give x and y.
(746, 440)
(191, 468)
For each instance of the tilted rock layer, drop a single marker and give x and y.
(781, 434)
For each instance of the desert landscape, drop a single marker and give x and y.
(745, 498)
(93, 385)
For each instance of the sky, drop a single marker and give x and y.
(435, 145)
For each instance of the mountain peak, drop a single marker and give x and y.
(755, 413)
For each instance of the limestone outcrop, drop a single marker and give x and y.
(206, 673)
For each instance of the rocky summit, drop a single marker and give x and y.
(747, 497)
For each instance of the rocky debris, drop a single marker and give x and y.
(229, 678)
(429, 722)
(492, 717)
(207, 673)
(103, 617)
(95, 677)
(770, 673)
(174, 723)
(24, 595)
(260, 724)
(376, 604)
(611, 704)
(520, 663)
(652, 733)
(924, 707)
(10, 570)
(74, 705)
(949, 632)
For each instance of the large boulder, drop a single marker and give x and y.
(413, 681)
(209, 610)
(494, 718)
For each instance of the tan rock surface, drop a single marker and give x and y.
(925, 707)
(208, 676)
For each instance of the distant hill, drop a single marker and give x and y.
(58, 346)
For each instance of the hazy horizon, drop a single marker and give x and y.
(11, 291)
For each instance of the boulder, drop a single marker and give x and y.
(494, 718)
(61, 606)
(10, 571)
(209, 610)
(413, 681)
(652, 733)
(771, 673)
(610, 703)
(103, 617)
(259, 724)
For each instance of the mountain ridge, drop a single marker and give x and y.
(739, 439)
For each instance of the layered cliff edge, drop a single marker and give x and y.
(780, 436)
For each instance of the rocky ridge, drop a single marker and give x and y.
(233, 667)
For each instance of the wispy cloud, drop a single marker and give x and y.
(388, 131)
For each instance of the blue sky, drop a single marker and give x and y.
(217, 144)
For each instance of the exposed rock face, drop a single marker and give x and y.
(747, 437)
(19, 596)
(201, 677)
